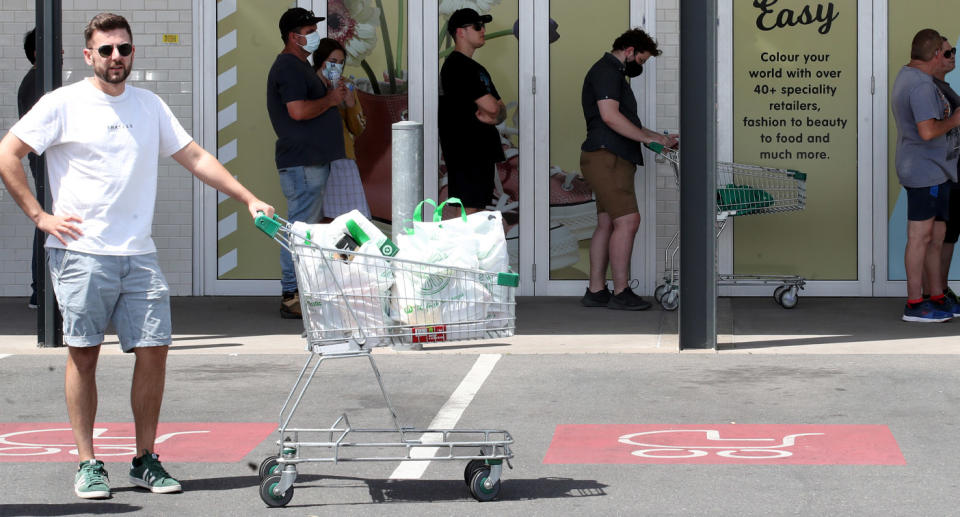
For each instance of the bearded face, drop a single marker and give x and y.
(114, 68)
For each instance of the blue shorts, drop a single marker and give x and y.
(924, 203)
(96, 290)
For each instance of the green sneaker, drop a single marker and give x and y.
(91, 481)
(147, 472)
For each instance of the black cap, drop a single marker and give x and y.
(295, 18)
(464, 17)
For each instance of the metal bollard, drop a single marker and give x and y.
(407, 173)
(407, 183)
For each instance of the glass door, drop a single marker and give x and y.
(567, 44)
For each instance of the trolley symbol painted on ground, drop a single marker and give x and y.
(695, 443)
(42, 442)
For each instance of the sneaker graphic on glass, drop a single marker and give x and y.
(571, 200)
(91, 481)
(564, 250)
(925, 312)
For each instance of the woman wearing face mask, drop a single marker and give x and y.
(344, 188)
(608, 160)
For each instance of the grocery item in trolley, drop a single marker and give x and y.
(347, 275)
(466, 297)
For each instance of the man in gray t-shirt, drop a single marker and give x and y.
(924, 118)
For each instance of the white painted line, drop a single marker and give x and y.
(448, 416)
(227, 152)
(226, 8)
(227, 263)
(227, 225)
(227, 43)
(227, 80)
(5, 355)
(226, 116)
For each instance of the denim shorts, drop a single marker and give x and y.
(925, 203)
(95, 290)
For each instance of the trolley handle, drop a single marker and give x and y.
(656, 147)
(267, 225)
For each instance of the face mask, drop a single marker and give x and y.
(633, 68)
(313, 41)
(332, 71)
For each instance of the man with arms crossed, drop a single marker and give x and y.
(470, 109)
(608, 160)
(926, 128)
(102, 140)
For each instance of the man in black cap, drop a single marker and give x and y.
(470, 108)
(305, 118)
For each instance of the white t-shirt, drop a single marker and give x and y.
(102, 154)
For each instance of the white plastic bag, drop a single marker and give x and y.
(438, 286)
(345, 293)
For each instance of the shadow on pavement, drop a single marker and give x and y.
(17, 510)
(415, 490)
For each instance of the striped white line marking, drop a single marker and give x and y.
(228, 152)
(227, 80)
(448, 416)
(227, 263)
(226, 8)
(227, 43)
(226, 116)
(227, 225)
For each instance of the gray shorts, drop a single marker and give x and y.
(95, 290)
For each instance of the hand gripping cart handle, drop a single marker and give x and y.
(328, 277)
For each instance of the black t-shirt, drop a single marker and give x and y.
(952, 98)
(316, 141)
(27, 94)
(462, 136)
(606, 80)
(26, 98)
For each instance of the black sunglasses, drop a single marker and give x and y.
(477, 26)
(949, 53)
(107, 50)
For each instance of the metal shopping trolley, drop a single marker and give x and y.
(741, 190)
(353, 301)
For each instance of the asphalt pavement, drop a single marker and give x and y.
(528, 395)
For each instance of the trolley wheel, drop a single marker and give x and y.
(267, 487)
(778, 292)
(269, 466)
(670, 300)
(472, 466)
(659, 292)
(789, 298)
(478, 491)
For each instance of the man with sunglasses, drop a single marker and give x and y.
(304, 115)
(469, 110)
(102, 140)
(947, 61)
(925, 167)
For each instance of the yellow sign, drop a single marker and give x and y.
(795, 107)
(170, 38)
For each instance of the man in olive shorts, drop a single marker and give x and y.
(608, 161)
